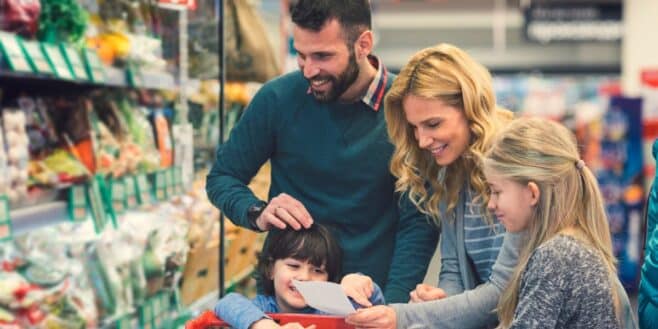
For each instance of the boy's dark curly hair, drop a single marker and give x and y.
(316, 245)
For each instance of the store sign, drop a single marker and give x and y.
(190, 4)
(573, 21)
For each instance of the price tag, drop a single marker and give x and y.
(95, 67)
(159, 312)
(176, 298)
(160, 185)
(11, 47)
(165, 302)
(144, 189)
(178, 180)
(118, 196)
(170, 182)
(135, 78)
(57, 61)
(75, 63)
(95, 200)
(6, 232)
(131, 198)
(191, 4)
(125, 323)
(157, 321)
(77, 203)
(36, 57)
(146, 316)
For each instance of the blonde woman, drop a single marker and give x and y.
(441, 116)
(566, 276)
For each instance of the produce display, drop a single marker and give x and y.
(17, 154)
(20, 16)
(100, 279)
(62, 21)
(100, 220)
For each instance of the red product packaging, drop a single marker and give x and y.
(208, 320)
(20, 16)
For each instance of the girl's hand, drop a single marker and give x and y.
(296, 325)
(270, 324)
(264, 324)
(425, 292)
(359, 287)
(379, 317)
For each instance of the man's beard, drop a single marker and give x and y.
(339, 84)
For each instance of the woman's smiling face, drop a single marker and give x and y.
(439, 128)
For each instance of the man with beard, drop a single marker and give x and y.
(323, 130)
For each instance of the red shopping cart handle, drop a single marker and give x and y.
(208, 320)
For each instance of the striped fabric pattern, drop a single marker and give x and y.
(375, 94)
(481, 239)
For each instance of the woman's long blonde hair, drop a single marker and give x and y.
(545, 152)
(446, 73)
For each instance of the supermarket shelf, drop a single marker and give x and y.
(206, 302)
(158, 80)
(230, 284)
(34, 217)
(7, 75)
(114, 77)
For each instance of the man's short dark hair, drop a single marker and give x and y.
(353, 15)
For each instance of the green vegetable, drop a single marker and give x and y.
(62, 21)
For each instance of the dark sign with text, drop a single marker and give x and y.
(547, 22)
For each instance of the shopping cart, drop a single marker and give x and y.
(208, 320)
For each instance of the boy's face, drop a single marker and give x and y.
(288, 269)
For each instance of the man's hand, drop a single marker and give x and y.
(283, 211)
(359, 287)
(425, 292)
(377, 317)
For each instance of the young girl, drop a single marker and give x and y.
(566, 276)
(311, 254)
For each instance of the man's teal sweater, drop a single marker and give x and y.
(333, 158)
